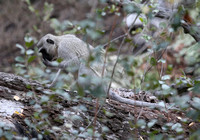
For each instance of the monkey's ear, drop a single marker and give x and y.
(50, 41)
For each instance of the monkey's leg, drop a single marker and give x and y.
(55, 79)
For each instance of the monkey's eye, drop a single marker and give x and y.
(50, 41)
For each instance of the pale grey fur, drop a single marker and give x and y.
(73, 51)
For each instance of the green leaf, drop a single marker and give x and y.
(151, 123)
(177, 127)
(102, 32)
(128, 40)
(36, 115)
(59, 60)
(29, 52)
(30, 59)
(196, 88)
(162, 61)
(130, 73)
(165, 87)
(19, 65)
(76, 117)
(27, 122)
(147, 37)
(182, 101)
(109, 114)
(28, 86)
(87, 24)
(110, 49)
(19, 59)
(138, 30)
(29, 44)
(93, 34)
(161, 82)
(196, 102)
(141, 123)
(130, 8)
(29, 94)
(21, 48)
(141, 19)
(165, 77)
(31, 9)
(28, 41)
(44, 98)
(48, 8)
(153, 61)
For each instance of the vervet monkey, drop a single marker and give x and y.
(73, 52)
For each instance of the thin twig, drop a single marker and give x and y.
(118, 54)
(105, 56)
(149, 68)
(121, 36)
(102, 75)
(113, 71)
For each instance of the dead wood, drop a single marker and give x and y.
(116, 116)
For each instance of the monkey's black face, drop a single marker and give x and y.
(45, 55)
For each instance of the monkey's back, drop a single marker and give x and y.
(72, 51)
(70, 47)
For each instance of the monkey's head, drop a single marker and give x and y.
(48, 47)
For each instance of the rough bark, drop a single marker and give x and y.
(118, 119)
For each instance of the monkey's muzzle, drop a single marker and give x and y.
(45, 55)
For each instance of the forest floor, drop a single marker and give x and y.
(14, 25)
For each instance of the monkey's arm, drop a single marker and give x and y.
(64, 64)
(51, 64)
(55, 79)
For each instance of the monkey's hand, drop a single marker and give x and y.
(48, 63)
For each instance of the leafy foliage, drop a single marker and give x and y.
(150, 71)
